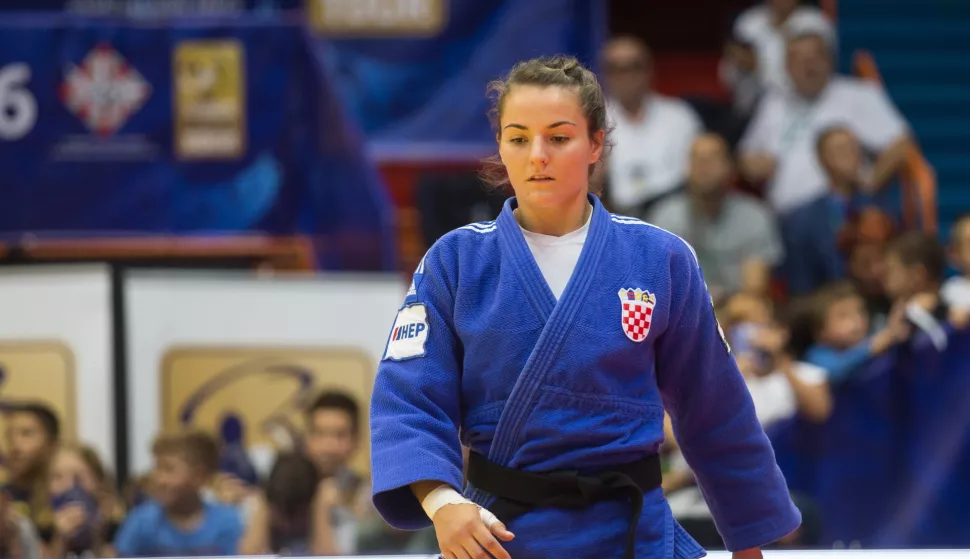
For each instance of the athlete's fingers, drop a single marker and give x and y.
(488, 541)
(473, 548)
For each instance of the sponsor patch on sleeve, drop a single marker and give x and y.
(409, 334)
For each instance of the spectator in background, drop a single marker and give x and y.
(333, 433)
(283, 520)
(812, 231)
(32, 434)
(863, 241)
(734, 235)
(87, 513)
(765, 27)
(745, 86)
(956, 290)
(18, 538)
(653, 132)
(915, 269)
(332, 439)
(842, 340)
(178, 521)
(779, 147)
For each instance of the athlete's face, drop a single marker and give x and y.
(546, 146)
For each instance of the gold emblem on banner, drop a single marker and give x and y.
(210, 103)
(266, 389)
(41, 372)
(378, 18)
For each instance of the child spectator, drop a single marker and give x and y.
(840, 328)
(86, 511)
(32, 434)
(332, 439)
(178, 521)
(282, 522)
(915, 268)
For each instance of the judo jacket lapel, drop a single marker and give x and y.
(558, 317)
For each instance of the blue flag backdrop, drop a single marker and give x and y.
(127, 128)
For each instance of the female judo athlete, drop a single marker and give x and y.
(550, 342)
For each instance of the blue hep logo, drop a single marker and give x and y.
(407, 331)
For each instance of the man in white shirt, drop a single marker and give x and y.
(765, 27)
(734, 235)
(653, 133)
(779, 146)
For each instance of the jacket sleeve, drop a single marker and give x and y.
(415, 407)
(714, 419)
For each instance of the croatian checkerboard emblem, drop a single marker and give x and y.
(637, 313)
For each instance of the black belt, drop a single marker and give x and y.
(518, 492)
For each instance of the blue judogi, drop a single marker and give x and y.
(482, 345)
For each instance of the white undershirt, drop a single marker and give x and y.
(557, 256)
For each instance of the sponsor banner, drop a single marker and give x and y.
(118, 128)
(251, 352)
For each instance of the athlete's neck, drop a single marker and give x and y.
(554, 222)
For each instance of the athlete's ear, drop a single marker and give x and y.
(598, 139)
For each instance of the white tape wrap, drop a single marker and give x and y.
(441, 496)
(446, 495)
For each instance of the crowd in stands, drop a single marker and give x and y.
(60, 501)
(785, 195)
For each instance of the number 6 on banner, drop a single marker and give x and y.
(18, 108)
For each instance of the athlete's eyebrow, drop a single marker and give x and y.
(553, 125)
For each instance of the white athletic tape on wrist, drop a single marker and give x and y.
(441, 496)
(446, 495)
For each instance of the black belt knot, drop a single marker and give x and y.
(518, 492)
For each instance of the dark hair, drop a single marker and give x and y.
(43, 414)
(199, 449)
(827, 133)
(799, 317)
(292, 484)
(333, 400)
(822, 301)
(915, 248)
(551, 71)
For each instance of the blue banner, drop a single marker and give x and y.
(115, 128)
(151, 9)
(418, 86)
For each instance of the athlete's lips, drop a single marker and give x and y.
(540, 178)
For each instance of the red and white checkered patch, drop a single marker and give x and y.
(637, 313)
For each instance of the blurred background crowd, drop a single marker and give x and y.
(812, 153)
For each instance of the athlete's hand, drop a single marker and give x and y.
(462, 534)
